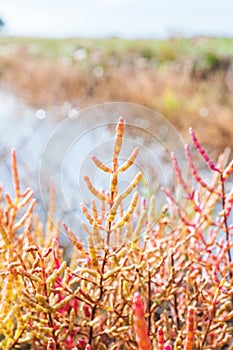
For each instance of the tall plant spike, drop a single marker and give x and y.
(111, 214)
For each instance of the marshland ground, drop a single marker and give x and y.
(188, 81)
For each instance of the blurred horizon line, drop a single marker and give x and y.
(118, 37)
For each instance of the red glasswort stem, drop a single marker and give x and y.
(160, 338)
(140, 325)
(202, 152)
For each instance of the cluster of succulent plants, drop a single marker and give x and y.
(136, 283)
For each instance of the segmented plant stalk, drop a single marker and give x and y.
(140, 324)
(202, 152)
(190, 326)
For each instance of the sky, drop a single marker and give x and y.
(123, 18)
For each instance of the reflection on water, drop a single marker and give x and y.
(27, 130)
(63, 151)
(67, 157)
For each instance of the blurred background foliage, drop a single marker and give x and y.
(189, 81)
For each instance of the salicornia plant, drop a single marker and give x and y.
(136, 284)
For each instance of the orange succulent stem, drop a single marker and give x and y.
(140, 325)
(17, 339)
(101, 290)
(110, 223)
(175, 300)
(50, 319)
(217, 292)
(189, 340)
(207, 329)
